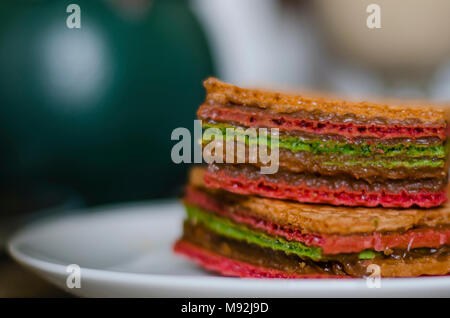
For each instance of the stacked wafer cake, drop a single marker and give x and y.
(357, 184)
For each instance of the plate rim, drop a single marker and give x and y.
(41, 266)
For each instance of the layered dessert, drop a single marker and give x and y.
(358, 184)
(334, 151)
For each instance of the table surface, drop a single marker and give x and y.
(15, 281)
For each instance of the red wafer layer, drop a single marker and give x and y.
(303, 193)
(252, 118)
(230, 267)
(330, 244)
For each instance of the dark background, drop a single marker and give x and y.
(91, 110)
(86, 114)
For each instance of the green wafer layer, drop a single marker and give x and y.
(363, 154)
(235, 231)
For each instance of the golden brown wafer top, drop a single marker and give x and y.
(344, 220)
(224, 93)
(327, 219)
(410, 267)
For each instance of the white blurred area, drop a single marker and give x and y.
(325, 44)
(258, 41)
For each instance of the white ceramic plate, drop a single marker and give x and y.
(125, 251)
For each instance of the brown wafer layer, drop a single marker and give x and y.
(330, 182)
(324, 164)
(390, 113)
(204, 114)
(436, 263)
(326, 219)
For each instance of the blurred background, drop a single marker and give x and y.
(86, 114)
